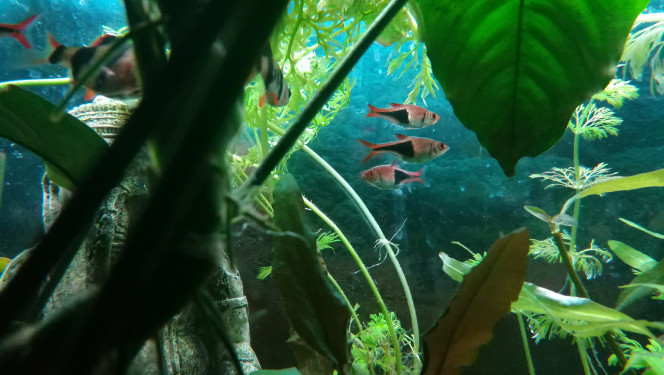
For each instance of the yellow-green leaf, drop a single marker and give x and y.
(639, 181)
(631, 256)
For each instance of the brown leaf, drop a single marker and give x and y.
(483, 298)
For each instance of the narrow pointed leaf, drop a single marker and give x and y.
(483, 298)
(515, 70)
(590, 318)
(68, 147)
(631, 256)
(639, 181)
(316, 310)
(637, 226)
(654, 275)
(538, 213)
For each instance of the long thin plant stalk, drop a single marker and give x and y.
(365, 273)
(36, 82)
(526, 349)
(576, 280)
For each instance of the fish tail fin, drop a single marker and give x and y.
(372, 111)
(18, 35)
(18, 28)
(414, 179)
(368, 144)
(22, 25)
(262, 101)
(371, 154)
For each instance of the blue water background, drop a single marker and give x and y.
(468, 199)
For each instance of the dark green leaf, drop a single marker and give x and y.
(483, 298)
(631, 256)
(316, 310)
(652, 276)
(67, 146)
(515, 70)
(3, 159)
(538, 213)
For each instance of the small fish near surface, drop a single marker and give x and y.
(406, 115)
(277, 93)
(390, 176)
(115, 78)
(17, 31)
(410, 149)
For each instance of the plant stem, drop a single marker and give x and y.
(567, 261)
(36, 82)
(582, 354)
(526, 349)
(363, 269)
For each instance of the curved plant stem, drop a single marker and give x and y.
(582, 354)
(576, 280)
(526, 349)
(36, 82)
(365, 273)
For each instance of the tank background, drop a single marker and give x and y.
(468, 200)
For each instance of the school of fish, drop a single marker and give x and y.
(117, 75)
(408, 148)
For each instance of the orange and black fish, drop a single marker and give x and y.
(411, 149)
(390, 176)
(277, 93)
(16, 31)
(406, 115)
(116, 77)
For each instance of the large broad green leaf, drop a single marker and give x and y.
(483, 298)
(654, 275)
(67, 146)
(514, 70)
(579, 316)
(631, 256)
(316, 310)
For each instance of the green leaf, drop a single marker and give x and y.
(654, 275)
(315, 308)
(591, 318)
(284, 371)
(68, 147)
(538, 213)
(515, 70)
(631, 256)
(639, 181)
(637, 226)
(454, 268)
(483, 298)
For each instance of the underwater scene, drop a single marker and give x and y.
(332, 187)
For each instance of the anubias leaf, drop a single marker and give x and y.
(68, 147)
(483, 298)
(654, 275)
(316, 310)
(514, 70)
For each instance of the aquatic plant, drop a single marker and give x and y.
(189, 113)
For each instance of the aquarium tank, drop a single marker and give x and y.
(332, 187)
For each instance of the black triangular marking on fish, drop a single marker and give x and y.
(56, 56)
(400, 176)
(80, 60)
(401, 115)
(405, 148)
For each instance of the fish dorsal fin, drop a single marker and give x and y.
(51, 40)
(394, 163)
(401, 136)
(99, 41)
(396, 105)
